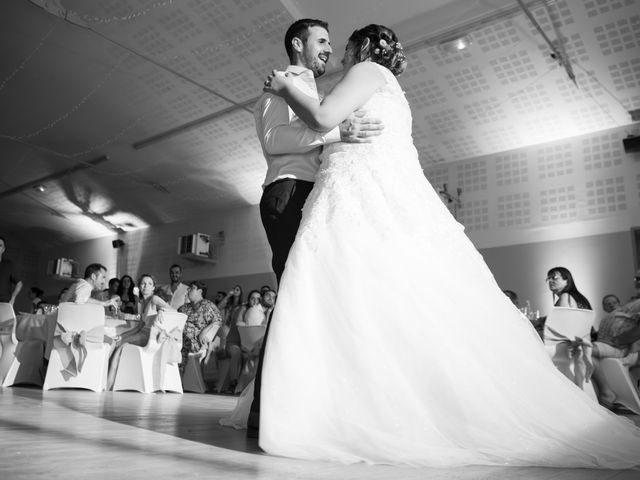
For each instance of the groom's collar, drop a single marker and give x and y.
(304, 80)
(299, 71)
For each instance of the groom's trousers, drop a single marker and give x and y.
(281, 212)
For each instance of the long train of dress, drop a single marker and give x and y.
(392, 343)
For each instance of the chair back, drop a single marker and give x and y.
(167, 322)
(171, 320)
(80, 316)
(570, 322)
(250, 335)
(8, 320)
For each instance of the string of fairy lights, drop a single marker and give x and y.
(26, 60)
(123, 18)
(82, 20)
(73, 109)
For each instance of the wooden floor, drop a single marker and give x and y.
(71, 434)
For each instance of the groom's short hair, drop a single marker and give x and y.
(300, 29)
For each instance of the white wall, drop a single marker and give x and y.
(245, 250)
(243, 258)
(98, 250)
(578, 187)
(600, 264)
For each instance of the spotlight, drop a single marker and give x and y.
(39, 188)
(456, 45)
(117, 243)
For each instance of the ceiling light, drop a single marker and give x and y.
(40, 188)
(456, 45)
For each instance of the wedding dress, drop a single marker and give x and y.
(392, 343)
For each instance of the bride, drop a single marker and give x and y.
(459, 377)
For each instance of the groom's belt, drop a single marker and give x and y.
(280, 180)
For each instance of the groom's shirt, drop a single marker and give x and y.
(291, 148)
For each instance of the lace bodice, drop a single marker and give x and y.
(388, 104)
(364, 179)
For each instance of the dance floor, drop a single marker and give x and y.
(77, 434)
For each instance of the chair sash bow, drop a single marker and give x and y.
(71, 347)
(578, 350)
(170, 350)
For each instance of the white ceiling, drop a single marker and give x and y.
(87, 85)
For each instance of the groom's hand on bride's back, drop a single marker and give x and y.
(360, 128)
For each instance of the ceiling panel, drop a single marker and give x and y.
(82, 79)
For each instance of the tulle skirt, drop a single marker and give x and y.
(392, 343)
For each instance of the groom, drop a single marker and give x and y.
(292, 151)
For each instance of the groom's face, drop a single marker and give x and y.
(316, 50)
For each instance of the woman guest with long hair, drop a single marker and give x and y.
(127, 295)
(149, 305)
(565, 292)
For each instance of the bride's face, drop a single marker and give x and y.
(349, 59)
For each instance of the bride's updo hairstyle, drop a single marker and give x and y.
(379, 44)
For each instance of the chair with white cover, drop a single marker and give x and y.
(32, 334)
(567, 338)
(250, 338)
(192, 378)
(250, 335)
(79, 357)
(622, 382)
(155, 366)
(8, 340)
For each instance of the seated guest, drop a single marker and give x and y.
(109, 292)
(202, 316)
(162, 293)
(232, 307)
(618, 337)
(265, 288)
(513, 296)
(148, 307)
(565, 292)
(610, 302)
(35, 295)
(62, 294)
(233, 347)
(636, 284)
(95, 278)
(128, 298)
(219, 297)
(176, 290)
(268, 301)
(258, 314)
(114, 286)
(615, 335)
(254, 312)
